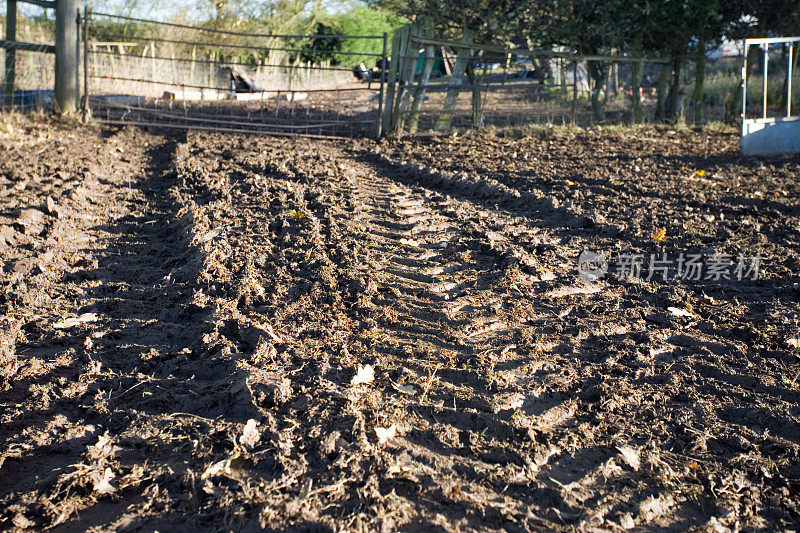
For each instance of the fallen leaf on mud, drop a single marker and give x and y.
(104, 448)
(659, 234)
(102, 484)
(271, 333)
(653, 507)
(306, 490)
(220, 468)
(71, 322)
(250, 434)
(51, 207)
(677, 311)
(626, 521)
(405, 389)
(211, 234)
(386, 434)
(22, 522)
(209, 488)
(365, 374)
(630, 456)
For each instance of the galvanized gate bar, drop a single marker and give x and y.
(770, 135)
(764, 82)
(789, 81)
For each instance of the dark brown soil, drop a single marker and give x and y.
(183, 317)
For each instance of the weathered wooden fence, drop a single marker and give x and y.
(66, 51)
(505, 86)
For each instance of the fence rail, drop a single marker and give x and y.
(23, 90)
(138, 71)
(438, 84)
(180, 76)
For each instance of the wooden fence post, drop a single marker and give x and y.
(384, 66)
(11, 54)
(87, 110)
(407, 69)
(424, 77)
(477, 104)
(454, 86)
(391, 83)
(66, 84)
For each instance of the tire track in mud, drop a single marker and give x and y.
(240, 278)
(406, 279)
(425, 256)
(604, 464)
(329, 258)
(443, 278)
(587, 479)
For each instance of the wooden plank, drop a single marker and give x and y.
(398, 60)
(533, 53)
(384, 66)
(424, 77)
(477, 103)
(28, 47)
(445, 119)
(410, 55)
(11, 57)
(41, 3)
(391, 83)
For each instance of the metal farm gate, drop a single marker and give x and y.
(771, 128)
(149, 73)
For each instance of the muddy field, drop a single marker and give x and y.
(211, 332)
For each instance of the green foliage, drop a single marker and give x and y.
(358, 21)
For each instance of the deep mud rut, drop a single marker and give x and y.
(232, 279)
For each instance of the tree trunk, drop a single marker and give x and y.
(673, 110)
(733, 109)
(477, 104)
(663, 83)
(699, 80)
(598, 73)
(636, 82)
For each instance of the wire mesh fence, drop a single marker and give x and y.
(173, 75)
(27, 58)
(438, 85)
(515, 92)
